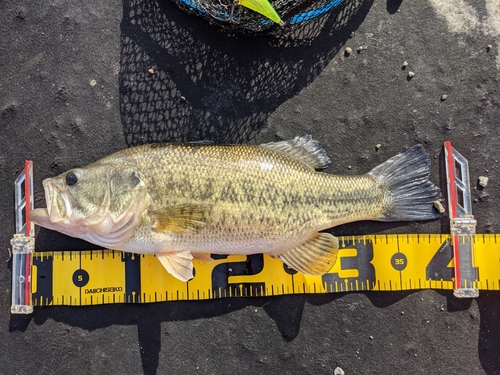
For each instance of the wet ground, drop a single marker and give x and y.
(81, 80)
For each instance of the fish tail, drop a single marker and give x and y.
(408, 193)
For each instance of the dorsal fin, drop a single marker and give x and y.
(314, 257)
(303, 148)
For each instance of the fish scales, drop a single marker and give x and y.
(254, 193)
(179, 201)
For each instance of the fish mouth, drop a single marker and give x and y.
(58, 208)
(40, 216)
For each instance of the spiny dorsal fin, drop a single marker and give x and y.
(303, 148)
(314, 257)
(180, 219)
(178, 263)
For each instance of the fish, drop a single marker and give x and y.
(185, 201)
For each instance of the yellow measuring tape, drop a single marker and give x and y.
(366, 263)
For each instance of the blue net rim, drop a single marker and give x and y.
(303, 16)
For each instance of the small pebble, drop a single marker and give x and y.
(151, 71)
(348, 50)
(489, 47)
(349, 167)
(444, 97)
(338, 371)
(405, 64)
(483, 181)
(439, 207)
(411, 74)
(360, 48)
(371, 337)
(377, 146)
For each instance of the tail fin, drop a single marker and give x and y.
(412, 195)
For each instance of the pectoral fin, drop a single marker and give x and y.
(315, 257)
(178, 263)
(180, 219)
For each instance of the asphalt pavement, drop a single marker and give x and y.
(80, 80)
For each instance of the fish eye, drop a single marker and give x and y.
(71, 178)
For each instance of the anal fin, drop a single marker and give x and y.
(314, 257)
(178, 263)
(202, 256)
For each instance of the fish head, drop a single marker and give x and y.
(101, 203)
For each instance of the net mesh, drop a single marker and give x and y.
(231, 15)
(183, 81)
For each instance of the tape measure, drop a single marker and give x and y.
(461, 261)
(365, 263)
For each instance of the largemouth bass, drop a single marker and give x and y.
(180, 201)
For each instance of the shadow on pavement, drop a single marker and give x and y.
(182, 79)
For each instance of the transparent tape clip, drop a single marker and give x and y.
(462, 223)
(23, 243)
